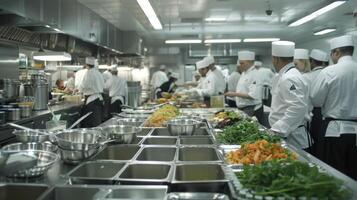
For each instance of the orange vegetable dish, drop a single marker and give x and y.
(257, 152)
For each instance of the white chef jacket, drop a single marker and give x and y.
(266, 76)
(250, 84)
(209, 86)
(79, 77)
(158, 78)
(220, 81)
(70, 84)
(92, 85)
(289, 112)
(311, 77)
(335, 91)
(107, 75)
(200, 82)
(232, 83)
(118, 89)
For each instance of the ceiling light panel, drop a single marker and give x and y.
(183, 41)
(325, 31)
(317, 13)
(261, 39)
(211, 41)
(150, 14)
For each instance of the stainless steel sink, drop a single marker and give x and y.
(138, 192)
(70, 193)
(144, 132)
(198, 173)
(95, 172)
(157, 154)
(198, 154)
(149, 172)
(21, 191)
(118, 152)
(160, 141)
(196, 141)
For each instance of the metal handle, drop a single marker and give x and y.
(79, 120)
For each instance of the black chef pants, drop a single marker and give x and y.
(115, 107)
(231, 103)
(94, 119)
(341, 154)
(317, 136)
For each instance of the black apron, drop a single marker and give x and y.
(115, 107)
(94, 119)
(340, 152)
(316, 134)
(249, 110)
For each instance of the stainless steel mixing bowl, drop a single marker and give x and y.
(123, 134)
(182, 126)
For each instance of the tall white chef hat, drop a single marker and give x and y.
(319, 55)
(175, 75)
(246, 55)
(258, 63)
(209, 59)
(342, 41)
(90, 61)
(201, 64)
(283, 48)
(301, 54)
(162, 67)
(113, 68)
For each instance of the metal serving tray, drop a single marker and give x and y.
(198, 154)
(71, 192)
(160, 141)
(157, 192)
(164, 154)
(21, 191)
(118, 152)
(146, 173)
(144, 132)
(165, 132)
(95, 172)
(196, 141)
(195, 177)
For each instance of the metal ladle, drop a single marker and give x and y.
(28, 129)
(80, 119)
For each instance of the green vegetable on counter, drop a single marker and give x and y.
(245, 131)
(287, 178)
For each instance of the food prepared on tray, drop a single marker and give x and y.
(162, 115)
(258, 152)
(245, 131)
(226, 118)
(291, 180)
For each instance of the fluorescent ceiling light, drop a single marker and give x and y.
(150, 14)
(325, 31)
(317, 13)
(47, 26)
(209, 41)
(52, 56)
(261, 39)
(56, 29)
(183, 41)
(215, 19)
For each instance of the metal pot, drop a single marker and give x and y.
(77, 156)
(26, 136)
(130, 121)
(46, 146)
(78, 139)
(26, 111)
(14, 114)
(10, 88)
(182, 126)
(123, 134)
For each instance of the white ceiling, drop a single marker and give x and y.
(245, 18)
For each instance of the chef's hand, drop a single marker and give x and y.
(230, 94)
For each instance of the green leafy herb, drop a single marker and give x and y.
(245, 131)
(288, 178)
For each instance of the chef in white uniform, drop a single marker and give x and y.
(335, 91)
(92, 88)
(208, 87)
(118, 90)
(220, 83)
(232, 85)
(289, 111)
(158, 78)
(301, 60)
(249, 89)
(79, 75)
(266, 76)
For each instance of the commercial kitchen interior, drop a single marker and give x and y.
(137, 37)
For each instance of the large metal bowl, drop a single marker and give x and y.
(122, 134)
(45, 160)
(26, 136)
(77, 156)
(130, 121)
(182, 126)
(46, 146)
(134, 115)
(79, 139)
